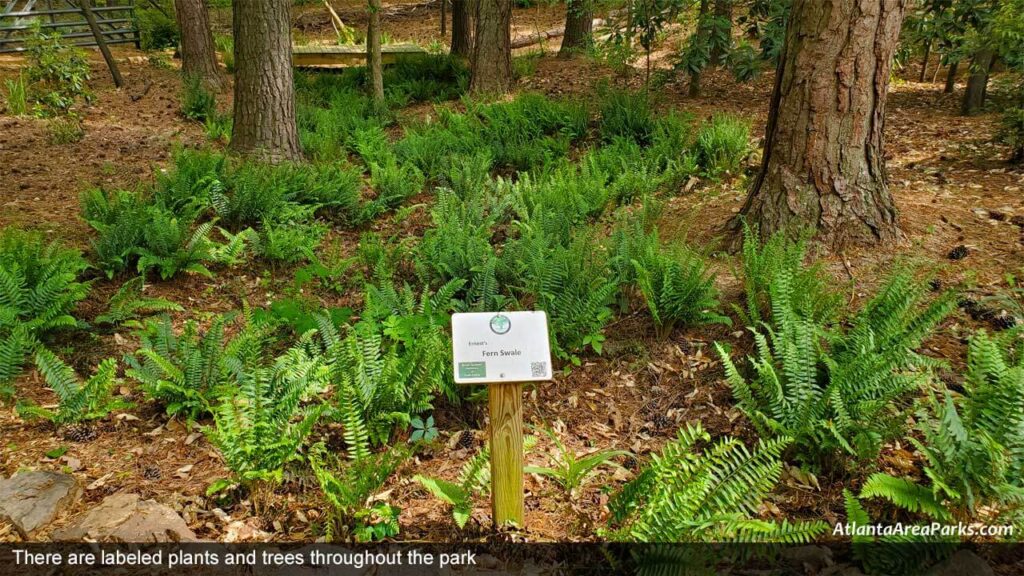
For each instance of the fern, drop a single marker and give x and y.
(708, 496)
(128, 303)
(261, 422)
(764, 264)
(78, 401)
(39, 288)
(677, 289)
(972, 452)
(348, 488)
(170, 247)
(833, 389)
(188, 372)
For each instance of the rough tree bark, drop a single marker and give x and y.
(491, 63)
(579, 28)
(723, 11)
(198, 53)
(264, 120)
(462, 28)
(373, 56)
(824, 165)
(951, 78)
(977, 83)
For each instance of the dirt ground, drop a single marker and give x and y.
(949, 181)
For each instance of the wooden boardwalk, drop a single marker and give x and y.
(348, 56)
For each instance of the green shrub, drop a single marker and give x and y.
(474, 481)
(394, 183)
(722, 144)
(744, 62)
(185, 187)
(218, 128)
(459, 242)
(530, 131)
(333, 189)
(571, 284)
(288, 241)
(432, 78)
(79, 401)
(973, 453)
(249, 195)
(373, 146)
(157, 30)
(261, 422)
(187, 373)
(61, 131)
(197, 102)
(120, 219)
(764, 265)
(837, 391)
(347, 488)
(711, 495)
(17, 96)
(626, 114)
(572, 471)
(678, 289)
(39, 288)
(58, 75)
(171, 245)
(125, 306)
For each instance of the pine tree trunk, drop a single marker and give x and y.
(198, 52)
(462, 28)
(977, 83)
(264, 120)
(492, 48)
(373, 56)
(951, 78)
(824, 165)
(723, 11)
(579, 28)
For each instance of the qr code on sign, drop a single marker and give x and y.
(538, 369)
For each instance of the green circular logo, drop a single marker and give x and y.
(500, 324)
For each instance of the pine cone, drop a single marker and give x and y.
(958, 253)
(466, 439)
(81, 432)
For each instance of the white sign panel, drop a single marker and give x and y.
(501, 347)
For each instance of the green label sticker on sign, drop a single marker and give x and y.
(472, 369)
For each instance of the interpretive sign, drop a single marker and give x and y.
(501, 347)
(503, 350)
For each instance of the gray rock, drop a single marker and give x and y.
(31, 500)
(127, 518)
(963, 563)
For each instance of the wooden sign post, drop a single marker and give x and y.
(503, 349)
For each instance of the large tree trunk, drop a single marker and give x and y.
(492, 50)
(951, 78)
(977, 83)
(462, 28)
(264, 121)
(579, 28)
(198, 53)
(723, 12)
(373, 57)
(823, 165)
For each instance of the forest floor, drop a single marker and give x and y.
(949, 181)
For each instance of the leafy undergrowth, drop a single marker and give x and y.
(312, 346)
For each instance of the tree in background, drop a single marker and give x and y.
(264, 119)
(373, 56)
(198, 52)
(721, 37)
(824, 165)
(491, 63)
(579, 28)
(462, 28)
